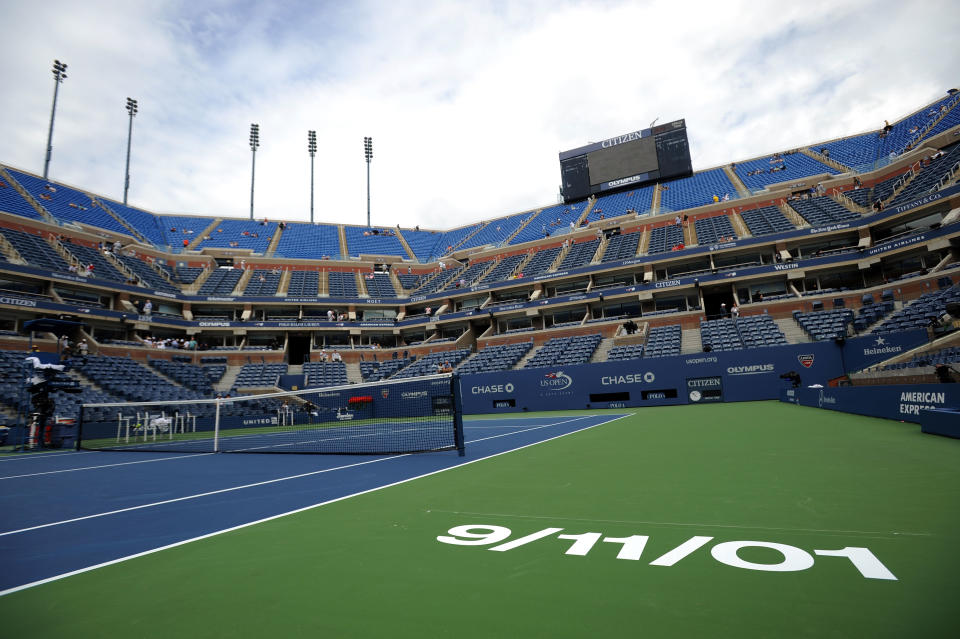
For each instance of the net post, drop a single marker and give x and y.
(457, 415)
(216, 427)
(79, 444)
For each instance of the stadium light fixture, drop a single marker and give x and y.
(368, 154)
(254, 145)
(59, 75)
(312, 149)
(132, 109)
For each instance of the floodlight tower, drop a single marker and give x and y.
(368, 153)
(254, 145)
(59, 75)
(312, 148)
(132, 110)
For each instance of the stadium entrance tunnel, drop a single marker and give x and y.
(299, 348)
(713, 298)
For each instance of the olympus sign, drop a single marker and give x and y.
(627, 180)
(752, 369)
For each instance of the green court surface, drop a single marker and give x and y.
(791, 479)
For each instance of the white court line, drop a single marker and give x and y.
(253, 485)
(73, 470)
(311, 507)
(26, 456)
(232, 438)
(188, 497)
(465, 427)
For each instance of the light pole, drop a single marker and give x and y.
(312, 148)
(368, 153)
(59, 75)
(132, 110)
(254, 144)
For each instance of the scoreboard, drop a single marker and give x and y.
(628, 160)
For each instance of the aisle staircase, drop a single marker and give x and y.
(226, 382)
(600, 355)
(792, 331)
(690, 341)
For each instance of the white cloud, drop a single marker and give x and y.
(468, 103)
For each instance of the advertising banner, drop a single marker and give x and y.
(745, 375)
(903, 402)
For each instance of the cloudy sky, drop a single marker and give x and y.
(468, 103)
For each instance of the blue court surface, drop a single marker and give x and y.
(72, 511)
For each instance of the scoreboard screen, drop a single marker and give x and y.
(628, 160)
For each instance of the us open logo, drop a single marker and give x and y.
(805, 360)
(556, 381)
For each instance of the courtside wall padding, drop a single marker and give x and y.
(745, 375)
(903, 402)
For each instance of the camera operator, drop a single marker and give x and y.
(39, 386)
(942, 371)
(793, 377)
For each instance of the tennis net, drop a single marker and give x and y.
(411, 415)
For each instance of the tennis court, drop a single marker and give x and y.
(749, 519)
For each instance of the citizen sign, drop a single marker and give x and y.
(15, 301)
(620, 139)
